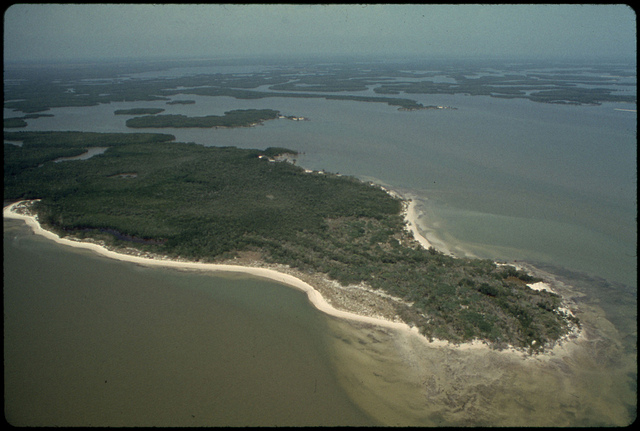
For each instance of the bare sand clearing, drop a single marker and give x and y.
(20, 211)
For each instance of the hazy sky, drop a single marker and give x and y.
(69, 31)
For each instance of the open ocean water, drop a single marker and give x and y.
(552, 187)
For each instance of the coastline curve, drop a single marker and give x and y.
(314, 296)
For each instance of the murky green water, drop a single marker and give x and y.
(95, 342)
(401, 381)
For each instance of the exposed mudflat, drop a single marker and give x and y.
(400, 380)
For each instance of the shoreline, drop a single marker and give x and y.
(281, 277)
(411, 216)
(293, 279)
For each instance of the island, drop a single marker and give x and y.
(138, 111)
(423, 108)
(294, 118)
(544, 83)
(14, 123)
(235, 118)
(17, 122)
(149, 196)
(182, 102)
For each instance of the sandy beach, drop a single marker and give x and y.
(412, 223)
(314, 295)
(289, 277)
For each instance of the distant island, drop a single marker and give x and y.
(422, 108)
(294, 118)
(543, 83)
(181, 102)
(150, 196)
(138, 111)
(17, 122)
(235, 118)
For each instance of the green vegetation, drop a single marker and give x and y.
(13, 123)
(537, 88)
(250, 94)
(45, 89)
(182, 102)
(235, 118)
(211, 203)
(17, 122)
(39, 89)
(39, 148)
